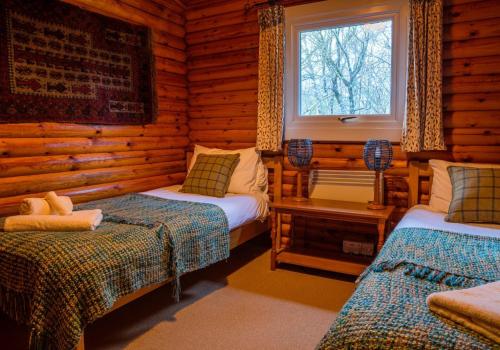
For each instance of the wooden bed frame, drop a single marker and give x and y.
(418, 172)
(239, 235)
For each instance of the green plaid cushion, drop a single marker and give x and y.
(211, 174)
(476, 195)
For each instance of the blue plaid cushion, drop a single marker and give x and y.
(476, 195)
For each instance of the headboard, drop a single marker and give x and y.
(420, 183)
(274, 163)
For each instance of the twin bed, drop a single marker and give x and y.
(424, 254)
(57, 283)
(240, 209)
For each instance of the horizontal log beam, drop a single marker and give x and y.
(209, 10)
(222, 33)
(222, 60)
(56, 146)
(480, 140)
(22, 166)
(223, 135)
(31, 130)
(223, 98)
(472, 102)
(226, 45)
(471, 48)
(26, 185)
(471, 66)
(223, 124)
(216, 111)
(230, 71)
(347, 151)
(224, 85)
(226, 144)
(235, 17)
(471, 84)
(471, 11)
(472, 30)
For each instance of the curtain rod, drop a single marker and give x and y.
(262, 5)
(286, 3)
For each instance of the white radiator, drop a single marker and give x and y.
(342, 185)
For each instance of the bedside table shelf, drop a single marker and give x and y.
(332, 210)
(324, 260)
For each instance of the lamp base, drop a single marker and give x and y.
(375, 206)
(299, 197)
(378, 192)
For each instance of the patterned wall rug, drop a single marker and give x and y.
(60, 63)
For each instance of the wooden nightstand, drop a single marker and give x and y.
(326, 209)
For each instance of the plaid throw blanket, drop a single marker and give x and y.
(388, 309)
(57, 283)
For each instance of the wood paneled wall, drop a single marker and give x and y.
(96, 161)
(223, 44)
(207, 66)
(222, 38)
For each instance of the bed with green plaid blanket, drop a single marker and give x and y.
(389, 310)
(59, 282)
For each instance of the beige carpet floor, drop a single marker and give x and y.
(236, 304)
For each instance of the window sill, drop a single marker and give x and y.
(345, 132)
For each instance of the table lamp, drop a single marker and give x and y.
(377, 155)
(300, 152)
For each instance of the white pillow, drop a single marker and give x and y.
(261, 181)
(441, 191)
(245, 174)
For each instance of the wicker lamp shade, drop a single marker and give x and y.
(300, 152)
(377, 155)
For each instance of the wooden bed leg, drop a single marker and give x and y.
(382, 230)
(81, 344)
(273, 239)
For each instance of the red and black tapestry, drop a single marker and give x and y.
(60, 63)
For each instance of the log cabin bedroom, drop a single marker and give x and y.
(249, 174)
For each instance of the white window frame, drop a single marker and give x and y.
(334, 13)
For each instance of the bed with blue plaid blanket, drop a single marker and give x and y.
(388, 309)
(59, 282)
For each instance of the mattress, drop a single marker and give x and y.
(422, 216)
(240, 209)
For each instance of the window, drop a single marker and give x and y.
(346, 69)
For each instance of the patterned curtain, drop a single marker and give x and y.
(423, 128)
(271, 51)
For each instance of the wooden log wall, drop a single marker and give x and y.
(207, 64)
(96, 161)
(222, 39)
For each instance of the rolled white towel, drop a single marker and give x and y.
(34, 206)
(83, 220)
(61, 205)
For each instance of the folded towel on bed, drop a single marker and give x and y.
(476, 308)
(61, 205)
(83, 220)
(34, 206)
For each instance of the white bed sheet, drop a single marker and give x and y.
(423, 216)
(239, 208)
